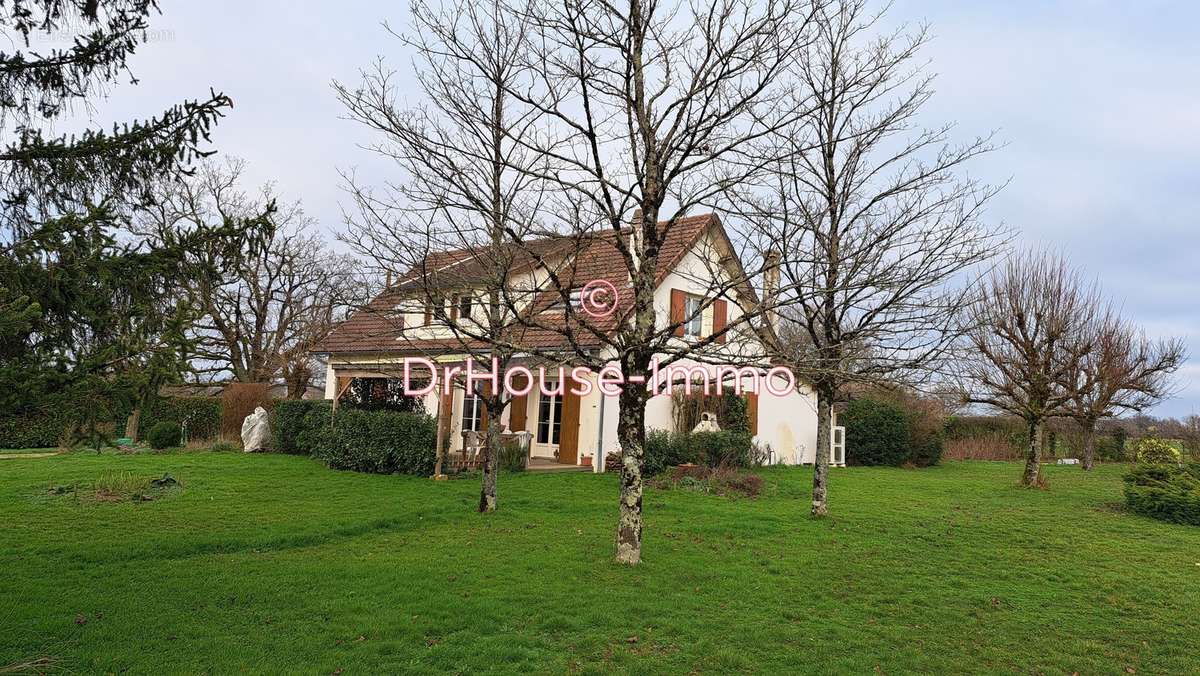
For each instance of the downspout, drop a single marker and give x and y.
(598, 465)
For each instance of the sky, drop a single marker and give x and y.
(1097, 104)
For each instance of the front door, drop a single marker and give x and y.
(568, 445)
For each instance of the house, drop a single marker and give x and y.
(566, 424)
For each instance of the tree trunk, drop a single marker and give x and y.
(631, 434)
(820, 491)
(131, 425)
(1089, 444)
(491, 458)
(1033, 457)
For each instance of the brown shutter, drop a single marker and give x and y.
(752, 411)
(428, 311)
(454, 308)
(677, 297)
(719, 319)
(568, 437)
(516, 408)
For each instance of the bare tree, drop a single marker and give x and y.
(469, 190)
(620, 115)
(1028, 333)
(875, 230)
(649, 111)
(1123, 372)
(276, 296)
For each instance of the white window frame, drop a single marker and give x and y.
(553, 423)
(472, 412)
(693, 317)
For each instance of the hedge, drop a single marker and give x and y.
(884, 433)
(380, 442)
(201, 416)
(34, 429)
(712, 449)
(46, 426)
(288, 422)
(1165, 492)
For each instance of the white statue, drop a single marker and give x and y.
(256, 431)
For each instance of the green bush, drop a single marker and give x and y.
(883, 432)
(381, 442)
(200, 415)
(1110, 447)
(290, 418)
(662, 450)
(1152, 450)
(41, 428)
(164, 435)
(48, 424)
(224, 447)
(512, 456)
(711, 449)
(877, 433)
(1166, 492)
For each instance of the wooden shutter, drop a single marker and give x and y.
(568, 437)
(752, 411)
(677, 297)
(428, 312)
(719, 319)
(516, 408)
(454, 308)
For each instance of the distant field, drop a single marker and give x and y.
(268, 563)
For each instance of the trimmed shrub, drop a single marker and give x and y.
(726, 448)
(34, 429)
(664, 449)
(164, 435)
(48, 424)
(877, 433)
(711, 449)
(290, 418)
(1152, 450)
(200, 415)
(885, 431)
(380, 442)
(1165, 492)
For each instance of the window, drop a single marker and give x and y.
(693, 318)
(549, 418)
(464, 307)
(472, 412)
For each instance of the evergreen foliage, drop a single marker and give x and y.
(89, 312)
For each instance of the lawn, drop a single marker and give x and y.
(275, 564)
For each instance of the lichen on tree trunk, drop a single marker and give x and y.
(1033, 456)
(491, 457)
(631, 435)
(820, 491)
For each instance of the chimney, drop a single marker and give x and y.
(771, 288)
(637, 217)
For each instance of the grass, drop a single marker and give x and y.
(268, 563)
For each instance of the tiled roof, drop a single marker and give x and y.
(376, 328)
